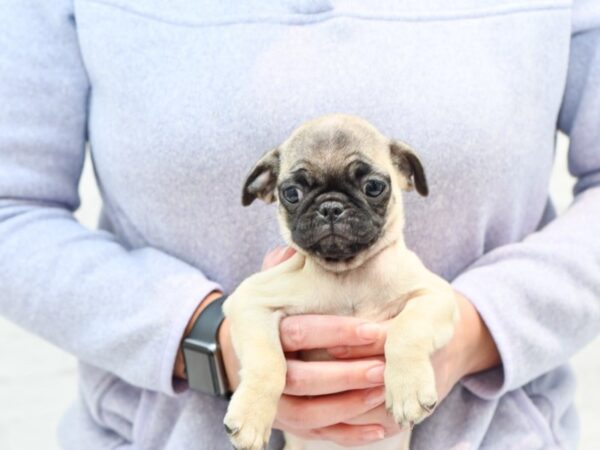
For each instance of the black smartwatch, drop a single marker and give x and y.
(204, 366)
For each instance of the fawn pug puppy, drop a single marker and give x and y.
(338, 183)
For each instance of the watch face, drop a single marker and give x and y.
(199, 345)
(204, 368)
(200, 371)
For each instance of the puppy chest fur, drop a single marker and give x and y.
(376, 291)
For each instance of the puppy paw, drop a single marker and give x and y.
(248, 422)
(410, 391)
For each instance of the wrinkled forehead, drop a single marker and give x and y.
(333, 146)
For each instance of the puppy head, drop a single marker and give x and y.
(337, 181)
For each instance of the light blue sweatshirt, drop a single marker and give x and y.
(178, 99)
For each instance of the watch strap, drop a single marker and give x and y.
(207, 324)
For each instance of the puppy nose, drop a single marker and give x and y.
(331, 210)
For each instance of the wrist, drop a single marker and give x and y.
(179, 367)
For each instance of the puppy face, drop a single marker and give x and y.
(337, 181)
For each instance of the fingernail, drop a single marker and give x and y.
(374, 434)
(374, 396)
(338, 351)
(375, 373)
(368, 331)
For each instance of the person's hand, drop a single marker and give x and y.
(340, 401)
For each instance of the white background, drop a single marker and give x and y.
(38, 381)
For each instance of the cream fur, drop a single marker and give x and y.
(387, 281)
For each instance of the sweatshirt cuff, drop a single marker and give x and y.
(493, 383)
(190, 291)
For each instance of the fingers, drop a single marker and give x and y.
(319, 331)
(371, 349)
(378, 415)
(357, 351)
(318, 412)
(277, 256)
(328, 377)
(344, 435)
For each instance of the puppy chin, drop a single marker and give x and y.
(350, 263)
(330, 265)
(339, 266)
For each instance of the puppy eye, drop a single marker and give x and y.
(292, 194)
(374, 188)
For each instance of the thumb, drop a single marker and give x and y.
(277, 256)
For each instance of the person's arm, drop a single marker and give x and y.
(118, 309)
(540, 298)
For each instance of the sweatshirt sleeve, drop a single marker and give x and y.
(541, 297)
(118, 309)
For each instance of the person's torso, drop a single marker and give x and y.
(185, 96)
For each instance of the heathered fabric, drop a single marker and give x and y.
(178, 99)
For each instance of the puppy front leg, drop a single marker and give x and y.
(255, 338)
(423, 326)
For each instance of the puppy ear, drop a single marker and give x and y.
(408, 163)
(262, 179)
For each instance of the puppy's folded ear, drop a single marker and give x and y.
(409, 165)
(262, 179)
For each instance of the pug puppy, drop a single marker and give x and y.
(337, 182)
